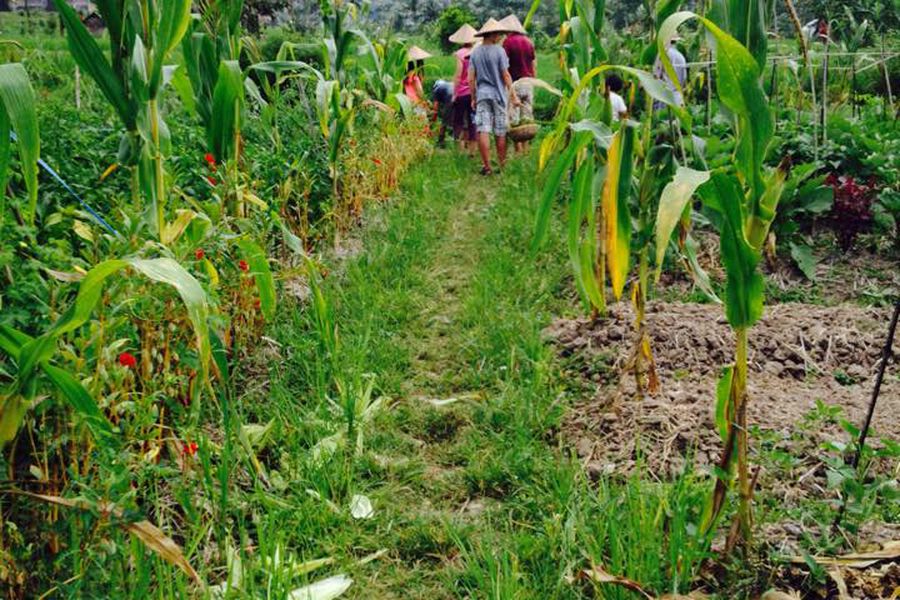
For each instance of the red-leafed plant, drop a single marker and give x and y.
(851, 213)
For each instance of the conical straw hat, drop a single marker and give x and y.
(464, 35)
(492, 26)
(511, 23)
(416, 53)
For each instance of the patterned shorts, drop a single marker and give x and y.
(490, 117)
(526, 109)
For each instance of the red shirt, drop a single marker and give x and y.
(521, 56)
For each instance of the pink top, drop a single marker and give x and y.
(411, 89)
(461, 86)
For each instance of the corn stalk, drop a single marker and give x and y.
(142, 34)
(745, 198)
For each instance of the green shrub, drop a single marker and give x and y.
(451, 19)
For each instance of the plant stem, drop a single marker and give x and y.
(159, 199)
(745, 516)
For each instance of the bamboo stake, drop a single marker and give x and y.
(886, 354)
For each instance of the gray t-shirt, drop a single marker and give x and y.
(489, 62)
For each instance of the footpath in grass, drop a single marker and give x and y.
(473, 492)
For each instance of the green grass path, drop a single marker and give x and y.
(444, 309)
(474, 493)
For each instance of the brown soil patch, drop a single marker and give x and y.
(798, 354)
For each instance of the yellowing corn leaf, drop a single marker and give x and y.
(598, 575)
(615, 208)
(173, 230)
(675, 197)
(148, 533)
(889, 551)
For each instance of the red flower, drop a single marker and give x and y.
(210, 159)
(126, 359)
(189, 448)
(212, 180)
(199, 253)
(243, 266)
(376, 161)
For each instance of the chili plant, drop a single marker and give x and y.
(744, 200)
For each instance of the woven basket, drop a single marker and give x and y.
(523, 133)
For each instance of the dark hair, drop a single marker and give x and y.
(614, 83)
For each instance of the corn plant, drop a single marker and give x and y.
(18, 115)
(744, 198)
(142, 35)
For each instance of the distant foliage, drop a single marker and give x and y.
(453, 17)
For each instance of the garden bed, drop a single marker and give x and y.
(799, 354)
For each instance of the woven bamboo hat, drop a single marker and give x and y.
(416, 53)
(492, 26)
(464, 35)
(512, 24)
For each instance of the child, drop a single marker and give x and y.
(412, 83)
(491, 83)
(614, 85)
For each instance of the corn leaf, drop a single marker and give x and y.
(174, 19)
(5, 154)
(262, 274)
(675, 197)
(19, 104)
(89, 57)
(581, 196)
(149, 534)
(747, 24)
(744, 284)
(551, 185)
(79, 398)
(228, 98)
(616, 190)
(740, 90)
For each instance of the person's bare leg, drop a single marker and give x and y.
(484, 147)
(501, 150)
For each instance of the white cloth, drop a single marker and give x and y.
(619, 108)
(679, 64)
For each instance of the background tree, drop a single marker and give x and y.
(452, 18)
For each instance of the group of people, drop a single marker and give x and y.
(492, 87)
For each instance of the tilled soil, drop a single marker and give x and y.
(799, 354)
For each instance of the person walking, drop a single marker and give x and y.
(462, 118)
(491, 83)
(679, 65)
(522, 64)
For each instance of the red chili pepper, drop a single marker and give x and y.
(126, 359)
(199, 253)
(189, 448)
(210, 158)
(212, 180)
(257, 304)
(243, 266)
(376, 161)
